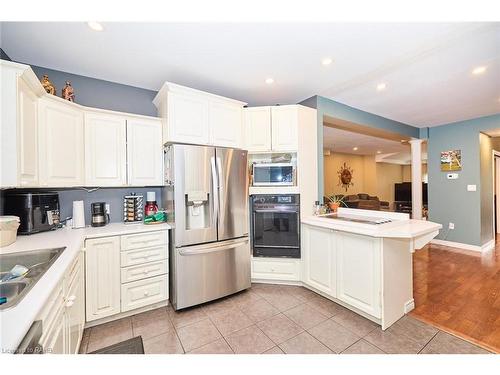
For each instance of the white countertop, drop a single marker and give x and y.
(399, 227)
(15, 321)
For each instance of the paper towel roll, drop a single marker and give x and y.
(78, 214)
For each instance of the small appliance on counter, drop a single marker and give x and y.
(133, 211)
(37, 212)
(78, 215)
(99, 214)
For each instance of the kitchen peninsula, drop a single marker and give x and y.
(362, 260)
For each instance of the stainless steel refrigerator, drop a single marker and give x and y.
(206, 197)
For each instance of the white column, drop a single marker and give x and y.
(416, 178)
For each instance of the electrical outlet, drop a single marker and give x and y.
(451, 226)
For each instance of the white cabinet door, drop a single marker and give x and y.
(318, 252)
(105, 150)
(359, 272)
(284, 121)
(56, 340)
(144, 152)
(257, 122)
(27, 136)
(75, 311)
(61, 144)
(225, 124)
(188, 120)
(102, 277)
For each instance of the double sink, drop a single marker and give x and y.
(37, 262)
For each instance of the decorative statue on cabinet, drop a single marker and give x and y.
(68, 93)
(47, 85)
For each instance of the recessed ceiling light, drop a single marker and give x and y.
(96, 26)
(479, 70)
(381, 86)
(379, 152)
(269, 81)
(355, 148)
(326, 61)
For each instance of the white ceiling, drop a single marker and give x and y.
(338, 140)
(427, 67)
(343, 141)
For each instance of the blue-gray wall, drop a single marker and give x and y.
(112, 196)
(328, 107)
(97, 93)
(449, 200)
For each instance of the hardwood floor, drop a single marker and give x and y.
(459, 292)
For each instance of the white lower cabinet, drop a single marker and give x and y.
(318, 254)
(344, 266)
(63, 316)
(102, 277)
(126, 273)
(359, 272)
(275, 269)
(144, 292)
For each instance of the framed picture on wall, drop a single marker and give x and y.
(451, 160)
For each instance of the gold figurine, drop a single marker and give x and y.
(47, 85)
(68, 93)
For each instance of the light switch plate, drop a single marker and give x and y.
(471, 187)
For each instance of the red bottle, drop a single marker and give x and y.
(151, 206)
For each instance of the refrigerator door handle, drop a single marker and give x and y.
(205, 249)
(220, 178)
(215, 191)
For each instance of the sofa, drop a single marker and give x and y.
(362, 201)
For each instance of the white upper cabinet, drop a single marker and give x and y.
(105, 150)
(27, 155)
(144, 152)
(257, 128)
(197, 117)
(187, 119)
(61, 144)
(285, 120)
(272, 128)
(225, 119)
(19, 95)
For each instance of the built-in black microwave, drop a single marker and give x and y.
(270, 174)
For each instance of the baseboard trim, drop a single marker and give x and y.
(410, 305)
(481, 249)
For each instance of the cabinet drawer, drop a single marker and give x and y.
(134, 273)
(135, 257)
(276, 269)
(141, 240)
(144, 292)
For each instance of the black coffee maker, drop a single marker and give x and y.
(99, 216)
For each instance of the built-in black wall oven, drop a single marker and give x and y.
(275, 225)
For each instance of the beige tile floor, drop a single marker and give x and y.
(272, 319)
